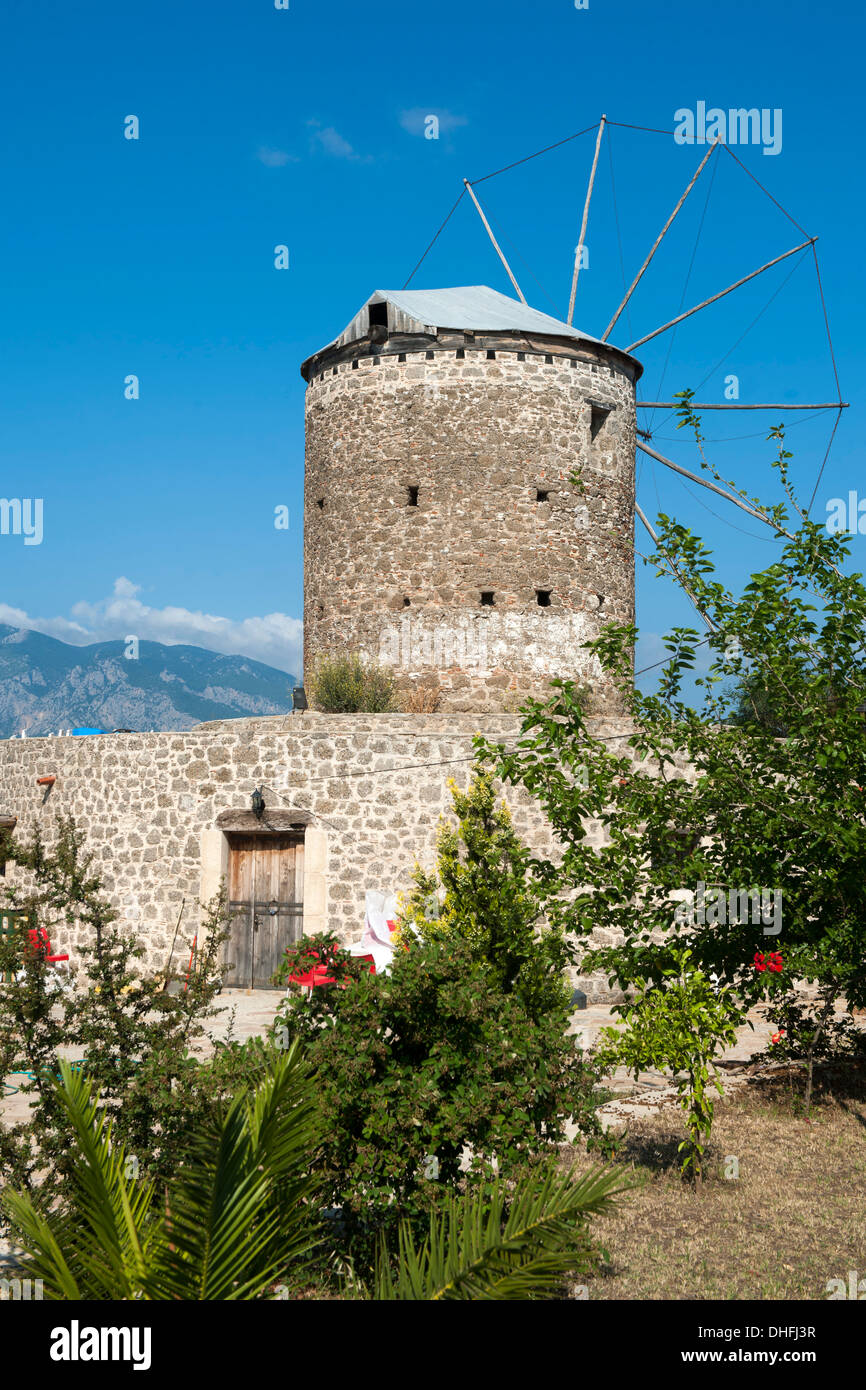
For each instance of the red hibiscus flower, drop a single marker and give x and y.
(772, 962)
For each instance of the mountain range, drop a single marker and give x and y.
(49, 687)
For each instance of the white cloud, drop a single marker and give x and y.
(331, 141)
(413, 120)
(273, 158)
(274, 638)
(61, 628)
(124, 588)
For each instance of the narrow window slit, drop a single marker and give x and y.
(597, 418)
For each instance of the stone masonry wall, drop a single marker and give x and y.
(375, 785)
(477, 434)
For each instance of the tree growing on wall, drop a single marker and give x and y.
(348, 685)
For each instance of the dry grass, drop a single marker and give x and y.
(420, 699)
(795, 1217)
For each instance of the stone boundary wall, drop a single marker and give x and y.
(370, 789)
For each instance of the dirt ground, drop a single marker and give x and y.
(781, 1210)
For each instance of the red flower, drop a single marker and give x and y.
(777, 1037)
(772, 962)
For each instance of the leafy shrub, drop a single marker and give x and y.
(678, 1022)
(465, 1044)
(483, 894)
(134, 1038)
(346, 685)
(245, 1211)
(414, 1066)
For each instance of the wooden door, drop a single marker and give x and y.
(266, 900)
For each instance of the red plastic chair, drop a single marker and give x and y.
(319, 974)
(40, 943)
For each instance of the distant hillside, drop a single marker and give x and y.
(47, 686)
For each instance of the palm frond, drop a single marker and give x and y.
(242, 1206)
(518, 1244)
(98, 1243)
(44, 1258)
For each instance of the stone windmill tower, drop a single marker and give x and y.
(442, 533)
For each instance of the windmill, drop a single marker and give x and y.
(804, 247)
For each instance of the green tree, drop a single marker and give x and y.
(678, 1022)
(133, 1038)
(483, 893)
(431, 1076)
(757, 854)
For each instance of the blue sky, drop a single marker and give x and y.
(305, 127)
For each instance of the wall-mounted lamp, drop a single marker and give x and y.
(299, 699)
(258, 803)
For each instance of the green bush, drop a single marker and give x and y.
(134, 1038)
(483, 893)
(346, 685)
(773, 815)
(245, 1211)
(679, 1022)
(416, 1065)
